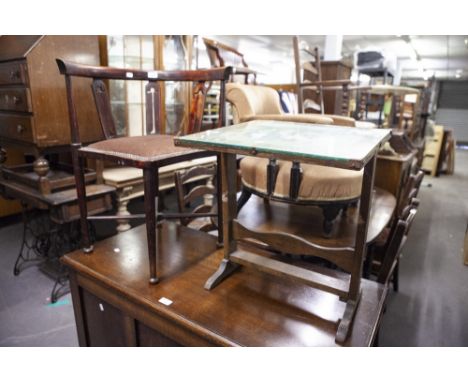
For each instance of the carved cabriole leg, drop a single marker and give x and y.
(229, 180)
(150, 180)
(360, 252)
(79, 168)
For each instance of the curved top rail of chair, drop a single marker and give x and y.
(80, 70)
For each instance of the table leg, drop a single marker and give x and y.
(360, 252)
(229, 211)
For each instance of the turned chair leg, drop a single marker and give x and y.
(79, 169)
(243, 198)
(150, 180)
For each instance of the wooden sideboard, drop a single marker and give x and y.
(115, 306)
(33, 103)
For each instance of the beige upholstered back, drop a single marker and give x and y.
(252, 100)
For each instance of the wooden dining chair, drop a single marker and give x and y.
(149, 152)
(389, 268)
(222, 55)
(310, 86)
(384, 253)
(201, 194)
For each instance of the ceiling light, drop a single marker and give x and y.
(458, 75)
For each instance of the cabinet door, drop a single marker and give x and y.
(128, 97)
(106, 325)
(149, 337)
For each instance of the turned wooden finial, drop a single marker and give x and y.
(41, 166)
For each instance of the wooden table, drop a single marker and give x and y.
(334, 146)
(115, 306)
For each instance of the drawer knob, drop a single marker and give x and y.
(16, 100)
(20, 129)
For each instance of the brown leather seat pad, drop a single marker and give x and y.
(143, 148)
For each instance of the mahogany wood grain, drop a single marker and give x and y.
(248, 309)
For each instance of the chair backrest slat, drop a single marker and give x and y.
(198, 104)
(153, 107)
(103, 106)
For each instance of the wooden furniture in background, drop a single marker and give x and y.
(221, 55)
(393, 171)
(433, 150)
(201, 197)
(446, 162)
(150, 152)
(334, 101)
(33, 106)
(310, 84)
(352, 149)
(147, 52)
(48, 232)
(11, 207)
(128, 183)
(114, 305)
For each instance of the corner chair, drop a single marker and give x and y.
(331, 189)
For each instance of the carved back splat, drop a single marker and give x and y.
(103, 106)
(198, 104)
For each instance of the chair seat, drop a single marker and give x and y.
(319, 183)
(149, 148)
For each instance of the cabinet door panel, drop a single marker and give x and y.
(105, 324)
(150, 337)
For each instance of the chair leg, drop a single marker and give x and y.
(396, 276)
(243, 198)
(330, 212)
(367, 268)
(79, 169)
(219, 201)
(150, 181)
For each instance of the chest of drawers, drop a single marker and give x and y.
(33, 104)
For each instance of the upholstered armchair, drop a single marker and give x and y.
(332, 189)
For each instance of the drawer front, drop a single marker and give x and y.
(16, 127)
(13, 73)
(15, 99)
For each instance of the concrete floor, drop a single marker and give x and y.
(429, 310)
(431, 307)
